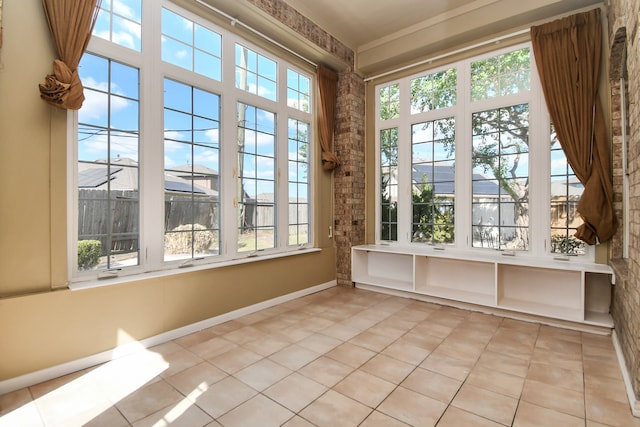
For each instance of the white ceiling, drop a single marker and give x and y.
(385, 34)
(360, 22)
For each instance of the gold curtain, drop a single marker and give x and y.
(327, 85)
(70, 23)
(567, 53)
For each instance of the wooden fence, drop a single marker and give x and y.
(99, 214)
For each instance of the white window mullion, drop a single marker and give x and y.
(405, 174)
(463, 158)
(378, 174)
(281, 197)
(229, 152)
(151, 152)
(539, 170)
(282, 180)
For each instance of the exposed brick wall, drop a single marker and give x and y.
(623, 32)
(349, 177)
(617, 69)
(305, 27)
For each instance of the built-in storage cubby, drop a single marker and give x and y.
(462, 280)
(597, 299)
(544, 291)
(559, 289)
(388, 269)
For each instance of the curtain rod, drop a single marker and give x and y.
(444, 55)
(235, 21)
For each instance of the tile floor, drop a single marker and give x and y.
(345, 357)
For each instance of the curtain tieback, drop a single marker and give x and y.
(63, 88)
(329, 161)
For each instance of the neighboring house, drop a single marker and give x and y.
(198, 174)
(441, 178)
(123, 176)
(564, 204)
(486, 194)
(97, 210)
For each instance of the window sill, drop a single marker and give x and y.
(620, 267)
(96, 283)
(493, 256)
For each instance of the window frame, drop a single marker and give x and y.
(153, 71)
(539, 157)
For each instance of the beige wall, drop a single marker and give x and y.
(41, 327)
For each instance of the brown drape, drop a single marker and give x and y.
(70, 23)
(567, 53)
(327, 85)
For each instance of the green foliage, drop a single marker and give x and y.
(569, 245)
(501, 138)
(390, 102)
(432, 216)
(433, 91)
(89, 252)
(389, 147)
(389, 221)
(501, 75)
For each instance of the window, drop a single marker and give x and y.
(469, 140)
(433, 158)
(298, 91)
(255, 73)
(108, 169)
(565, 195)
(191, 165)
(389, 100)
(433, 91)
(256, 178)
(185, 154)
(433, 181)
(191, 46)
(389, 184)
(500, 178)
(299, 195)
(501, 75)
(120, 22)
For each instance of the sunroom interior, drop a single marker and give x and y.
(319, 213)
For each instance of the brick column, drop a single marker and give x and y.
(349, 177)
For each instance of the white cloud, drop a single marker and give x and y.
(123, 9)
(125, 33)
(95, 105)
(213, 135)
(168, 162)
(170, 140)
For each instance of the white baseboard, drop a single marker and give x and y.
(17, 383)
(633, 402)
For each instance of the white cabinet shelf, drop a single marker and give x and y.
(387, 269)
(548, 292)
(564, 290)
(461, 280)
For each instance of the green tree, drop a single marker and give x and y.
(501, 136)
(501, 139)
(432, 216)
(388, 169)
(390, 102)
(389, 212)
